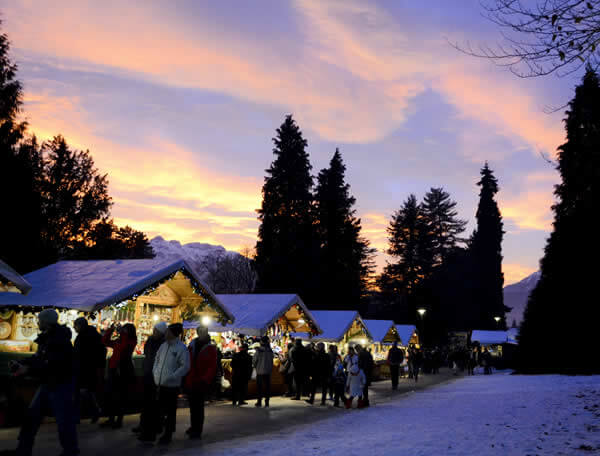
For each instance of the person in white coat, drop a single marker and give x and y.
(355, 385)
(170, 366)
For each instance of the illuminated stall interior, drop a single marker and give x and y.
(274, 315)
(141, 292)
(343, 328)
(494, 340)
(384, 335)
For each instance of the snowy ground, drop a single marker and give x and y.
(482, 415)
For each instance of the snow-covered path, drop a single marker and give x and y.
(482, 415)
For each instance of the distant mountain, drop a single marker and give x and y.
(516, 295)
(224, 271)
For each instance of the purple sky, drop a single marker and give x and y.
(178, 102)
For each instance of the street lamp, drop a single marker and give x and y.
(421, 311)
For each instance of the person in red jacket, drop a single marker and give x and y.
(120, 373)
(203, 368)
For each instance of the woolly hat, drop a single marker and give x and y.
(48, 316)
(176, 329)
(202, 331)
(161, 327)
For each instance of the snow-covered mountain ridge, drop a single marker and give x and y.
(516, 295)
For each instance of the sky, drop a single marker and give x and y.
(178, 102)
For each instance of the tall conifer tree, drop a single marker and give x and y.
(444, 226)
(565, 300)
(486, 254)
(287, 250)
(20, 166)
(346, 258)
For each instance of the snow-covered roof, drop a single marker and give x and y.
(8, 274)
(91, 285)
(511, 336)
(379, 328)
(405, 332)
(335, 323)
(254, 313)
(490, 337)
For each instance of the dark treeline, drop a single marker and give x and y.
(457, 281)
(55, 202)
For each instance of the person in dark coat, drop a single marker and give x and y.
(333, 356)
(121, 374)
(241, 372)
(288, 369)
(321, 374)
(53, 366)
(394, 360)
(417, 361)
(299, 358)
(150, 422)
(90, 359)
(197, 383)
(366, 364)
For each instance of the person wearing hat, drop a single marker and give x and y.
(203, 362)
(90, 359)
(171, 364)
(150, 422)
(52, 365)
(263, 363)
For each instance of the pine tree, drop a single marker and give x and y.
(287, 251)
(565, 298)
(74, 196)
(486, 253)
(20, 167)
(444, 226)
(410, 243)
(346, 258)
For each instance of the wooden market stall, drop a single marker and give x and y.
(275, 315)
(12, 281)
(501, 345)
(137, 291)
(384, 334)
(106, 291)
(408, 336)
(343, 328)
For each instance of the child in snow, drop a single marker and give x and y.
(355, 385)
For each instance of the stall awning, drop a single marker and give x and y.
(8, 276)
(255, 313)
(335, 323)
(405, 332)
(379, 329)
(490, 337)
(91, 285)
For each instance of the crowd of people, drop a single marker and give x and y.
(69, 376)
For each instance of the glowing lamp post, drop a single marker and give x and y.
(421, 311)
(497, 321)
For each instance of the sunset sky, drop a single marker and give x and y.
(178, 102)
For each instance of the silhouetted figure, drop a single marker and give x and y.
(120, 373)
(52, 365)
(150, 420)
(321, 374)
(241, 372)
(90, 360)
(203, 368)
(300, 359)
(394, 360)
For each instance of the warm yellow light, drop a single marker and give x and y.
(497, 319)
(421, 311)
(155, 317)
(301, 321)
(206, 320)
